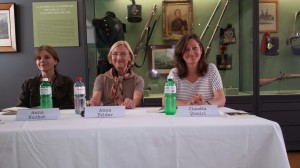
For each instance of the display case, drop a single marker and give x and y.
(279, 70)
(258, 67)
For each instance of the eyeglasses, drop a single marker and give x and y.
(122, 54)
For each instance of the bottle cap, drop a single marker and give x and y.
(79, 78)
(45, 79)
(170, 77)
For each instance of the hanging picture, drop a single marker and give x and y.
(7, 28)
(227, 35)
(268, 16)
(161, 60)
(177, 18)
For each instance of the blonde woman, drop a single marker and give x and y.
(120, 85)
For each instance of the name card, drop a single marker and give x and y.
(104, 111)
(37, 114)
(197, 111)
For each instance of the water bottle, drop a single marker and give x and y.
(79, 96)
(170, 96)
(45, 94)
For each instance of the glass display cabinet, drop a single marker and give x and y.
(279, 70)
(250, 41)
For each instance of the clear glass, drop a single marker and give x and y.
(279, 69)
(237, 81)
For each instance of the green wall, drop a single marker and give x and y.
(202, 11)
(285, 62)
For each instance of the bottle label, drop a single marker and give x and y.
(79, 90)
(46, 91)
(170, 89)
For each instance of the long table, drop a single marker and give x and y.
(142, 139)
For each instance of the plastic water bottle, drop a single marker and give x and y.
(79, 96)
(45, 94)
(170, 96)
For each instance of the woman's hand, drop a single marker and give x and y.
(197, 99)
(91, 103)
(95, 100)
(129, 104)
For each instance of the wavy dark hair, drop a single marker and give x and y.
(179, 51)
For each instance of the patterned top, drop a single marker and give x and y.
(205, 85)
(104, 83)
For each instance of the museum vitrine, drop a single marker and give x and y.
(253, 43)
(225, 28)
(279, 70)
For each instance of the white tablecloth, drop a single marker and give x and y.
(142, 139)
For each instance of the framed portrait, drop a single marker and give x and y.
(268, 16)
(161, 60)
(177, 18)
(7, 28)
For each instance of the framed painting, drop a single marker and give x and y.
(268, 16)
(161, 60)
(7, 28)
(177, 18)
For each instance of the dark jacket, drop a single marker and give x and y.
(108, 30)
(62, 92)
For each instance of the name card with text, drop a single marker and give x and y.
(104, 111)
(37, 114)
(197, 111)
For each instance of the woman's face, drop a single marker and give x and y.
(45, 61)
(120, 57)
(192, 53)
(178, 14)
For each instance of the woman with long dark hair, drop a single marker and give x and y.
(197, 82)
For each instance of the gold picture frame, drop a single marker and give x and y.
(161, 60)
(177, 18)
(7, 28)
(268, 16)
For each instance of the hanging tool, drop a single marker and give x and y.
(145, 30)
(216, 27)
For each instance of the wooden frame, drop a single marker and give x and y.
(7, 28)
(177, 18)
(268, 16)
(161, 60)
